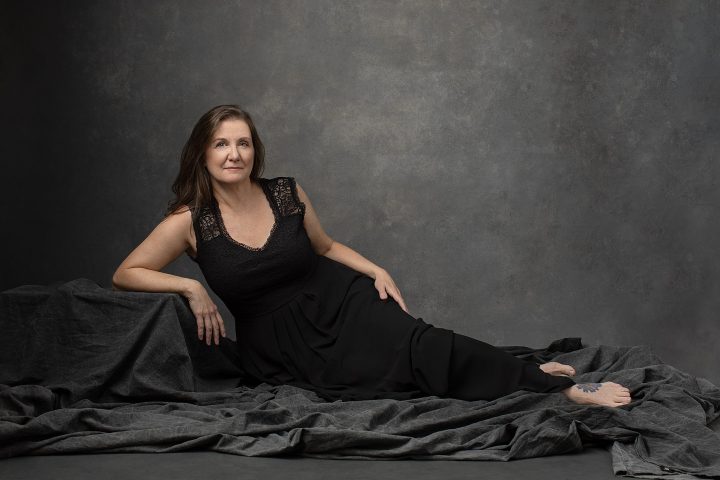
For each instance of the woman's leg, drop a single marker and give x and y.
(480, 371)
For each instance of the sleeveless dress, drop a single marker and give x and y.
(306, 320)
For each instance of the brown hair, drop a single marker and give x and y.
(192, 185)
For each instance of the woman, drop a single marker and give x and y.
(310, 311)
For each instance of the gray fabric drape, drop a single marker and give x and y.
(87, 369)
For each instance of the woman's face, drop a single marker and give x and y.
(229, 156)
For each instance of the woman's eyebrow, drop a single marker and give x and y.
(222, 138)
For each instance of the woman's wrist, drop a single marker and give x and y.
(190, 287)
(375, 271)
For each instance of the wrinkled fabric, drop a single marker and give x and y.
(87, 369)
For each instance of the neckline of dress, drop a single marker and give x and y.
(221, 223)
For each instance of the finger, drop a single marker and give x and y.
(402, 303)
(397, 296)
(208, 328)
(212, 316)
(405, 308)
(218, 324)
(383, 294)
(400, 300)
(222, 325)
(216, 328)
(200, 325)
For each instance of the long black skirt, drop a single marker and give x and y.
(338, 338)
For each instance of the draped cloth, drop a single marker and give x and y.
(88, 369)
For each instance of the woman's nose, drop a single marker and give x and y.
(234, 154)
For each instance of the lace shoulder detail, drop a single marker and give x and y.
(205, 223)
(284, 192)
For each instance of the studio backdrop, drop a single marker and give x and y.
(525, 170)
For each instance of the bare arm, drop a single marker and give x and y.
(324, 245)
(140, 271)
(346, 255)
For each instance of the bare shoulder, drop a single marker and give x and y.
(301, 193)
(303, 197)
(320, 240)
(181, 216)
(183, 219)
(166, 242)
(180, 221)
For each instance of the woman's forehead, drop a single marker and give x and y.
(233, 127)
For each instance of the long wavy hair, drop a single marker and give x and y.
(192, 185)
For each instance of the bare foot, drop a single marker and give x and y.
(609, 394)
(557, 369)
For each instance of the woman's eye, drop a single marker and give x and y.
(222, 143)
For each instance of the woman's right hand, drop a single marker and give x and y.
(206, 313)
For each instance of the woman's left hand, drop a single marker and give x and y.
(386, 286)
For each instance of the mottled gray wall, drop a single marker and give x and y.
(525, 170)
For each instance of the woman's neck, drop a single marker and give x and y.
(237, 197)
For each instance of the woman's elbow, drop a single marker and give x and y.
(326, 246)
(117, 279)
(321, 247)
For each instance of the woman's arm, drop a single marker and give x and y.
(346, 255)
(140, 271)
(324, 245)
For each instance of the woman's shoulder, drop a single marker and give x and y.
(180, 209)
(181, 216)
(274, 180)
(284, 183)
(188, 211)
(181, 220)
(285, 191)
(282, 186)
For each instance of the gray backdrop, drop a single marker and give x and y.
(524, 170)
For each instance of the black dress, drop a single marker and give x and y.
(306, 320)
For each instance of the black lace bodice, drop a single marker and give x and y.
(250, 280)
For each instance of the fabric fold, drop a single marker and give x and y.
(50, 397)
